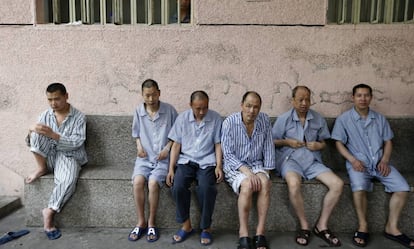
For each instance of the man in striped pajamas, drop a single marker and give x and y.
(249, 155)
(57, 142)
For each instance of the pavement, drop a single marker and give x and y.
(105, 238)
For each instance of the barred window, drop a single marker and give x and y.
(115, 12)
(370, 11)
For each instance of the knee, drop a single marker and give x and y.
(139, 182)
(294, 185)
(337, 185)
(153, 185)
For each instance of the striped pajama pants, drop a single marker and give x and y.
(65, 169)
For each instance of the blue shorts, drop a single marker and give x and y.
(307, 172)
(394, 182)
(150, 171)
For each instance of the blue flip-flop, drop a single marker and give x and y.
(12, 235)
(152, 234)
(136, 233)
(54, 234)
(183, 235)
(206, 235)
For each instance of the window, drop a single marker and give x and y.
(115, 11)
(370, 11)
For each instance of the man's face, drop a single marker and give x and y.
(199, 107)
(301, 101)
(57, 100)
(362, 98)
(151, 96)
(250, 108)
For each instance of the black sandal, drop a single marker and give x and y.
(363, 239)
(259, 241)
(245, 243)
(327, 236)
(303, 234)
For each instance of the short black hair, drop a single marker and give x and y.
(148, 83)
(300, 87)
(251, 92)
(54, 87)
(362, 85)
(198, 95)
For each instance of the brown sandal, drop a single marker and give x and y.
(327, 236)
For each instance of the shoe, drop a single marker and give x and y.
(12, 235)
(327, 236)
(136, 233)
(245, 243)
(259, 241)
(402, 239)
(183, 235)
(363, 238)
(303, 234)
(152, 234)
(54, 234)
(206, 236)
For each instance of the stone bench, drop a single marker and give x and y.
(104, 192)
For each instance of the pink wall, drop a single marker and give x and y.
(103, 67)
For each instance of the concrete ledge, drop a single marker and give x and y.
(9, 204)
(104, 192)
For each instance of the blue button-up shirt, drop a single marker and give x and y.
(364, 138)
(197, 139)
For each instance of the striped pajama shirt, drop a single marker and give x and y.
(64, 157)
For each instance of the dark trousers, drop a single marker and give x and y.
(206, 190)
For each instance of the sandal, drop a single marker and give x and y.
(206, 238)
(363, 239)
(327, 236)
(259, 241)
(303, 234)
(245, 243)
(152, 234)
(402, 239)
(136, 233)
(183, 235)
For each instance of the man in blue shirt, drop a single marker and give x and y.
(299, 135)
(152, 121)
(57, 142)
(364, 139)
(195, 156)
(249, 155)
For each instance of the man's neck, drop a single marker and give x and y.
(362, 112)
(64, 111)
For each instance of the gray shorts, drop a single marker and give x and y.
(309, 172)
(151, 171)
(235, 178)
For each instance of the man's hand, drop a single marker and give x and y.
(170, 178)
(163, 154)
(255, 182)
(141, 153)
(314, 146)
(219, 174)
(295, 143)
(383, 168)
(358, 165)
(44, 130)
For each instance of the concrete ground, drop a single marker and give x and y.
(110, 238)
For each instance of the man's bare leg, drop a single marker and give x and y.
(48, 216)
(40, 170)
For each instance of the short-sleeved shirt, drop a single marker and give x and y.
(364, 138)
(72, 132)
(153, 132)
(197, 140)
(257, 151)
(288, 126)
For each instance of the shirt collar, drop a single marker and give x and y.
(295, 116)
(356, 116)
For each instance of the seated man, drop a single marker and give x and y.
(152, 121)
(185, 12)
(249, 155)
(299, 136)
(57, 142)
(364, 139)
(195, 156)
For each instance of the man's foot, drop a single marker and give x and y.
(302, 237)
(182, 235)
(48, 214)
(206, 238)
(401, 238)
(35, 175)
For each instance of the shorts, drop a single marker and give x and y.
(394, 182)
(308, 172)
(235, 178)
(150, 171)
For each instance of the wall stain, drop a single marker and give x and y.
(6, 95)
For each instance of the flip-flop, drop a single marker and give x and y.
(136, 233)
(183, 235)
(152, 234)
(206, 236)
(54, 234)
(362, 236)
(402, 239)
(12, 235)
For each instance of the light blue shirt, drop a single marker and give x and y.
(288, 126)
(72, 132)
(197, 139)
(364, 138)
(153, 133)
(239, 149)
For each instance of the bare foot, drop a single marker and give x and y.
(38, 173)
(48, 215)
